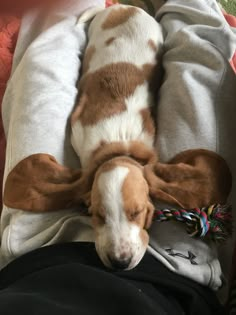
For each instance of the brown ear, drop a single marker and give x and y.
(194, 178)
(149, 215)
(39, 183)
(158, 187)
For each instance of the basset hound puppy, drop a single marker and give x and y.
(113, 133)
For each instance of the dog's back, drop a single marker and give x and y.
(118, 67)
(123, 34)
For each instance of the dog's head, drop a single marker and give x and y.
(121, 213)
(117, 188)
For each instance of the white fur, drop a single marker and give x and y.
(118, 236)
(131, 43)
(126, 126)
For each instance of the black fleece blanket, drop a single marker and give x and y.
(70, 279)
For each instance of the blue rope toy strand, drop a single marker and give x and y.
(215, 221)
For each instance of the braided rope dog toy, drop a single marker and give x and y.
(215, 221)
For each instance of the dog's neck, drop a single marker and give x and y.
(134, 152)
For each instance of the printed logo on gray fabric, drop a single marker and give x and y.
(190, 256)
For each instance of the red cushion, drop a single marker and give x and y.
(8, 34)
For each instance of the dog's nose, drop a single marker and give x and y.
(119, 264)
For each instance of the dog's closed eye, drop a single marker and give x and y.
(99, 218)
(134, 215)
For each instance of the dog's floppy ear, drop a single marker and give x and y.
(158, 186)
(39, 183)
(194, 178)
(149, 215)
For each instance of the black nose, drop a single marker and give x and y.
(119, 264)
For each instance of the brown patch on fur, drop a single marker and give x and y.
(152, 45)
(194, 178)
(103, 92)
(149, 71)
(119, 16)
(109, 41)
(90, 51)
(148, 123)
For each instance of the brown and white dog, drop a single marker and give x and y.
(113, 117)
(112, 123)
(113, 134)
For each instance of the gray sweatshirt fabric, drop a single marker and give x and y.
(38, 102)
(197, 106)
(196, 109)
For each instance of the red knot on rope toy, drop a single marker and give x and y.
(215, 221)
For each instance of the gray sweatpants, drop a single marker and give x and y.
(197, 106)
(196, 109)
